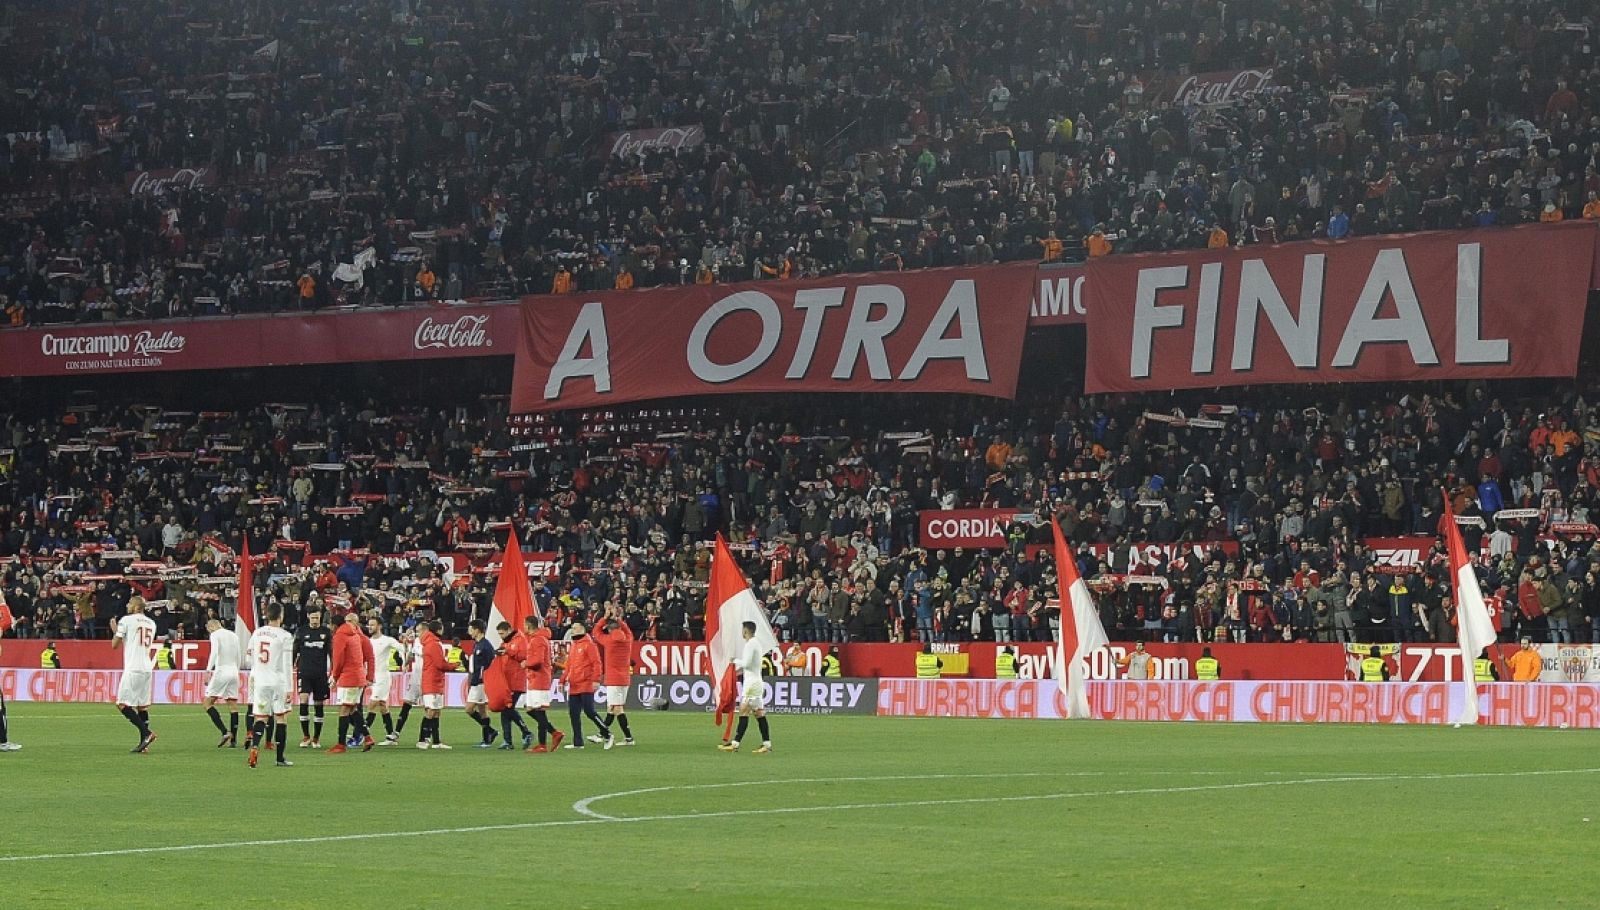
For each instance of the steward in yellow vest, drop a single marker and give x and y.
(1484, 670)
(1374, 668)
(831, 665)
(1206, 668)
(928, 664)
(1005, 664)
(49, 659)
(164, 657)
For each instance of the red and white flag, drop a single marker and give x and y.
(1081, 631)
(513, 595)
(729, 605)
(244, 616)
(1474, 626)
(513, 603)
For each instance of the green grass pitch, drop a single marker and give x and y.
(854, 812)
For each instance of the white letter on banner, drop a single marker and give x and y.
(1147, 317)
(1389, 274)
(771, 328)
(815, 302)
(590, 327)
(1470, 347)
(1204, 356)
(1259, 293)
(863, 334)
(960, 304)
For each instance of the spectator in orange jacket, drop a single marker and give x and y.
(1526, 665)
(616, 654)
(624, 280)
(352, 672)
(563, 281)
(537, 664)
(582, 676)
(1097, 244)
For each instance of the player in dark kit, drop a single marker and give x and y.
(312, 644)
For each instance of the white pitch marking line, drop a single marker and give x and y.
(582, 806)
(689, 816)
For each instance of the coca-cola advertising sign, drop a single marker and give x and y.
(150, 183)
(215, 343)
(1222, 87)
(629, 143)
(462, 333)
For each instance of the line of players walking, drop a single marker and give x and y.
(355, 669)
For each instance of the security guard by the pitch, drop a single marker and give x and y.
(1373, 667)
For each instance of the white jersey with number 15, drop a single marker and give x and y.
(138, 634)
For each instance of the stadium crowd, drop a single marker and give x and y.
(378, 151)
(1270, 495)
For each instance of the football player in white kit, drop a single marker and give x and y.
(413, 663)
(384, 650)
(271, 653)
(136, 636)
(223, 683)
(752, 696)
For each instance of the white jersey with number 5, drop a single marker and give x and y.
(138, 634)
(271, 657)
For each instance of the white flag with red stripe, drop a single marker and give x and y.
(244, 616)
(1474, 627)
(729, 605)
(1081, 631)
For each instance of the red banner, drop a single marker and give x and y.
(1399, 555)
(944, 529)
(940, 330)
(1445, 305)
(628, 143)
(254, 341)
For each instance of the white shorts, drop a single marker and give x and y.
(534, 701)
(349, 696)
(475, 696)
(224, 684)
(135, 688)
(380, 689)
(753, 697)
(617, 695)
(414, 686)
(268, 700)
(432, 701)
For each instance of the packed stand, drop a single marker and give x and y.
(403, 511)
(381, 151)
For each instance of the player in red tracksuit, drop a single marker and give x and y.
(581, 678)
(352, 673)
(537, 667)
(508, 663)
(433, 667)
(616, 656)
